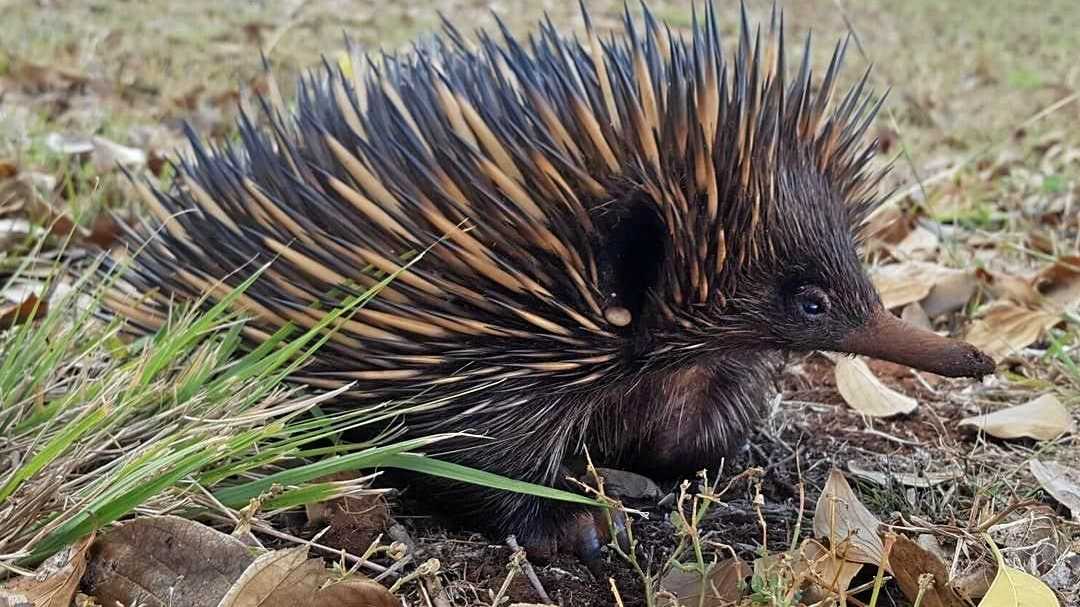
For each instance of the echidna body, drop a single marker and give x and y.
(619, 240)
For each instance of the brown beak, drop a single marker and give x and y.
(887, 337)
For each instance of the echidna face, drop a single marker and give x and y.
(812, 292)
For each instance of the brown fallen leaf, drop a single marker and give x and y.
(1006, 286)
(285, 578)
(830, 573)
(902, 283)
(1062, 482)
(27, 310)
(1059, 283)
(104, 232)
(916, 315)
(865, 393)
(722, 583)
(55, 582)
(888, 225)
(940, 289)
(844, 521)
(8, 169)
(1044, 418)
(1041, 240)
(952, 291)
(917, 243)
(973, 584)
(164, 561)
(1005, 328)
(909, 561)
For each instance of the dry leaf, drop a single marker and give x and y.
(940, 289)
(69, 144)
(28, 309)
(913, 313)
(903, 283)
(1059, 283)
(1044, 418)
(1005, 286)
(722, 580)
(628, 485)
(1015, 588)
(865, 393)
(108, 154)
(909, 561)
(831, 574)
(843, 520)
(974, 583)
(285, 578)
(1006, 328)
(57, 579)
(164, 561)
(922, 479)
(887, 224)
(952, 290)
(1062, 482)
(920, 240)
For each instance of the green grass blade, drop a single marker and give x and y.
(435, 467)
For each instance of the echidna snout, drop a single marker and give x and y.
(889, 338)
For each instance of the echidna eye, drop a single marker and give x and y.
(812, 302)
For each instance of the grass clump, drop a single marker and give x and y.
(96, 428)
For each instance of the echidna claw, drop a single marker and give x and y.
(587, 533)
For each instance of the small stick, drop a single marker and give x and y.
(430, 585)
(236, 521)
(530, 573)
(261, 527)
(615, 592)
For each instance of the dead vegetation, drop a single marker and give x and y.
(868, 476)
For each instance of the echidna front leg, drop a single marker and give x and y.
(545, 527)
(535, 452)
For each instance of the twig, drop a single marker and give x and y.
(615, 592)
(530, 573)
(261, 527)
(513, 567)
(1001, 515)
(238, 524)
(429, 580)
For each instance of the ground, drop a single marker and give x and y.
(983, 124)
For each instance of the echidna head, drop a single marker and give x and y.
(813, 293)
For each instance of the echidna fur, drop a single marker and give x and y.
(612, 232)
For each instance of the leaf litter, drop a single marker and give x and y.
(1044, 418)
(168, 560)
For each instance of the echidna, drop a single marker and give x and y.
(621, 237)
